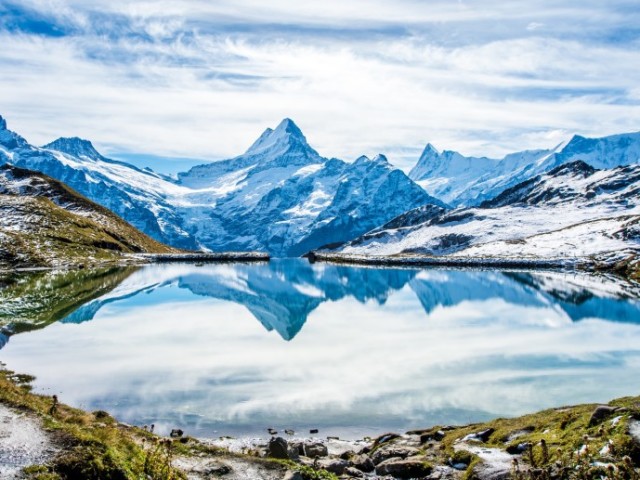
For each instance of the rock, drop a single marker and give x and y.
(600, 413)
(176, 433)
(315, 449)
(347, 454)
(518, 449)
(213, 468)
(634, 430)
(333, 465)
(291, 475)
(278, 448)
(427, 437)
(297, 445)
(353, 472)
(313, 431)
(363, 462)
(294, 453)
(481, 436)
(404, 468)
(391, 451)
(384, 438)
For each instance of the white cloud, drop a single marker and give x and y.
(194, 79)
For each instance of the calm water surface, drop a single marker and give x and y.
(234, 349)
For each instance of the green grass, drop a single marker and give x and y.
(96, 446)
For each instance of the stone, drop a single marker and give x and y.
(315, 449)
(481, 436)
(404, 468)
(634, 430)
(278, 448)
(294, 453)
(213, 468)
(333, 465)
(363, 462)
(390, 451)
(518, 449)
(384, 438)
(427, 437)
(600, 413)
(353, 472)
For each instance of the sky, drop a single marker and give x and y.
(170, 84)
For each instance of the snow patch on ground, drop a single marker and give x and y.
(23, 442)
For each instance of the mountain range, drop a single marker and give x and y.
(571, 211)
(468, 181)
(281, 196)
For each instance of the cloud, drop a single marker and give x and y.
(203, 79)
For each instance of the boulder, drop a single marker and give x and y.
(213, 468)
(315, 449)
(278, 448)
(391, 451)
(438, 435)
(333, 465)
(353, 472)
(404, 468)
(600, 413)
(384, 438)
(481, 436)
(363, 462)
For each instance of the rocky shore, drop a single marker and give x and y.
(45, 440)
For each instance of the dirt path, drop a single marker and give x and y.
(23, 442)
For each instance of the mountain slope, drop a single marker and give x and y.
(279, 196)
(574, 211)
(45, 223)
(467, 181)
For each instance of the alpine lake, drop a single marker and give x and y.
(234, 349)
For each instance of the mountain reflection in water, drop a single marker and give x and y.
(380, 348)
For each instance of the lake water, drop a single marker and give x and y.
(234, 349)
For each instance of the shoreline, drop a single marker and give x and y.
(81, 444)
(133, 259)
(409, 260)
(629, 268)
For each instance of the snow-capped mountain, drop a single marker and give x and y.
(468, 181)
(280, 196)
(138, 196)
(572, 211)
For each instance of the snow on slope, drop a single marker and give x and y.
(280, 196)
(467, 181)
(574, 210)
